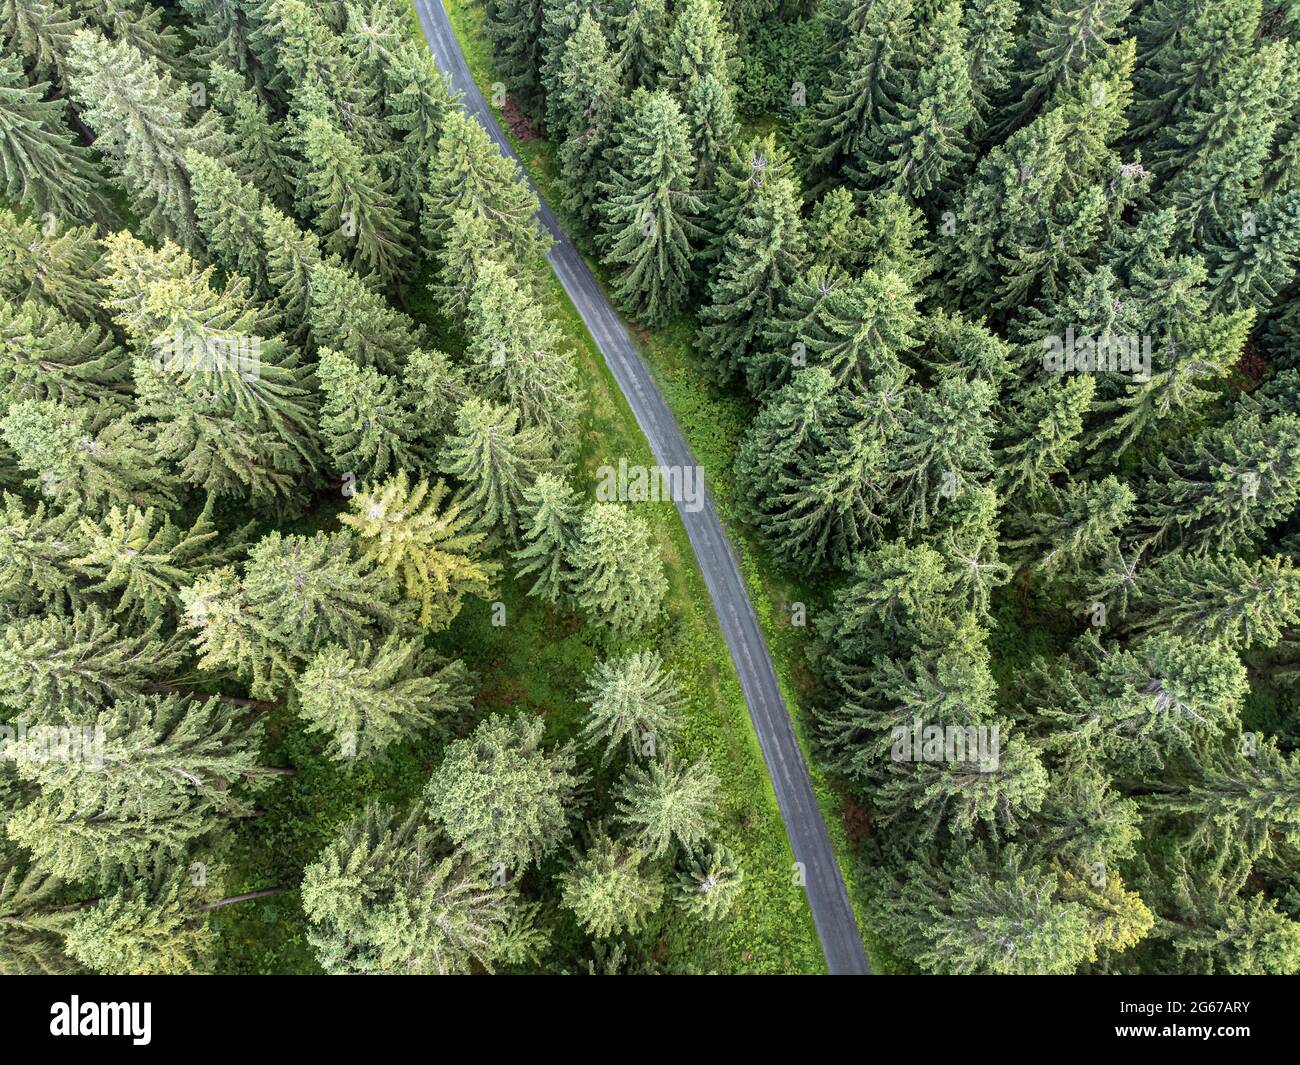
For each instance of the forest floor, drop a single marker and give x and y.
(714, 424)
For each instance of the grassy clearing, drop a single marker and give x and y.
(713, 424)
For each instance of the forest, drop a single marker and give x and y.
(320, 650)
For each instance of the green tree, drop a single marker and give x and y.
(501, 795)
(650, 209)
(550, 531)
(367, 429)
(663, 802)
(495, 461)
(709, 882)
(619, 577)
(358, 322)
(432, 551)
(367, 700)
(634, 702)
(590, 99)
(227, 211)
(47, 356)
(610, 890)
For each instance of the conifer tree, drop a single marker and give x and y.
(709, 882)
(610, 889)
(468, 172)
(431, 551)
(31, 923)
(711, 114)
(258, 153)
(551, 513)
(918, 150)
(633, 699)
(358, 322)
(292, 255)
(232, 637)
(389, 896)
(40, 164)
(637, 32)
(1217, 597)
(227, 211)
(143, 129)
(36, 551)
(60, 269)
(416, 104)
(650, 208)
(698, 44)
(139, 558)
(619, 576)
(515, 29)
(501, 795)
(41, 31)
(363, 702)
(1046, 436)
(761, 252)
(352, 204)
(495, 461)
(47, 356)
(663, 803)
(1257, 259)
(590, 99)
(990, 26)
(367, 430)
(517, 354)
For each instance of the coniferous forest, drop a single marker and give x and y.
(324, 648)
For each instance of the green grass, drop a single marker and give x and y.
(713, 424)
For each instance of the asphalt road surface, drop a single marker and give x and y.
(827, 896)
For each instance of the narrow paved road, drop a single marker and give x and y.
(827, 897)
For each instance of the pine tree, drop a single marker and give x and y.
(1217, 153)
(434, 388)
(610, 890)
(863, 85)
(649, 210)
(517, 355)
(36, 551)
(495, 462)
(40, 165)
(515, 29)
(619, 576)
(46, 356)
(1046, 435)
(367, 429)
(353, 206)
(143, 129)
(1222, 598)
(232, 637)
(918, 151)
(141, 559)
(711, 114)
(633, 699)
(1065, 37)
(292, 255)
(31, 924)
(388, 896)
(709, 882)
(417, 102)
(471, 243)
(1257, 259)
(468, 172)
(358, 322)
(550, 531)
(761, 253)
(364, 702)
(308, 591)
(42, 31)
(662, 803)
(991, 37)
(433, 554)
(501, 795)
(560, 20)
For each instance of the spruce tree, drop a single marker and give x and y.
(367, 430)
(47, 356)
(354, 320)
(650, 208)
(709, 882)
(495, 461)
(36, 551)
(227, 211)
(618, 574)
(663, 803)
(633, 701)
(432, 551)
(610, 889)
(367, 700)
(590, 98)
(501, 795)
(551, 513)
